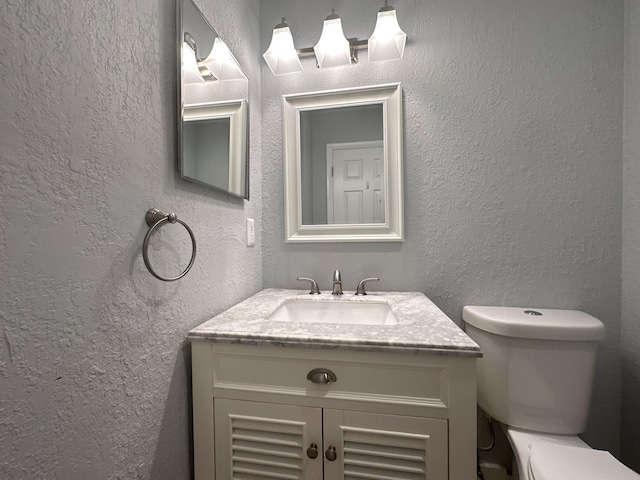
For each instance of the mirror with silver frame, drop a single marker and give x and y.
(213, 97)
(343, 165)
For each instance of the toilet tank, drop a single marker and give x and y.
(537, 368)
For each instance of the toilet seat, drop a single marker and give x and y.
(521, 441)
(542, 456)
(561, 462)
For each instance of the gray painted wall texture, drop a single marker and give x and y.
(631, 242)
(94, 362)
(512, 156)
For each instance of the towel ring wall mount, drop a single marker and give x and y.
(155, 219)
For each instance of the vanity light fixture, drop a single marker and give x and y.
(333, 49)
(281, 56)
(388, 39)
(220, 63)
(190, 68)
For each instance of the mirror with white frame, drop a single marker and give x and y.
(343, 165)
(213, 94)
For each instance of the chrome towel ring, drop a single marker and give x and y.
(155, 219)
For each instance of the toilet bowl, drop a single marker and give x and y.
(535, 378)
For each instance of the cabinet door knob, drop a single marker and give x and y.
(322, 375)
(331, 453)
(312, 451)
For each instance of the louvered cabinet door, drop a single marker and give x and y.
(384, 447)
(259, 441)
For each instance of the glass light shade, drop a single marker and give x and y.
(281, 56)
(332, 50)
(190, 70)
(221, 63)
(388, 39)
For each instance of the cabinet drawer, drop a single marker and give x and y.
(364, 378)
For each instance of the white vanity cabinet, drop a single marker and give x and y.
(312, 443)
(389, 414)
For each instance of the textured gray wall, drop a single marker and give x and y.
(631, 242)
(94, 365)
(512, 155)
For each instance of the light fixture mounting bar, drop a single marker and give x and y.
(354, 45)
(305, 52)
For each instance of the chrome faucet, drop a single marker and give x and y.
(337, 283)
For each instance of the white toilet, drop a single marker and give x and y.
(535, 377)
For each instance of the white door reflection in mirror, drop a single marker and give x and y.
(355, 186)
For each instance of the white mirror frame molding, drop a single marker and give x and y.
(390, 96)
(236, 112)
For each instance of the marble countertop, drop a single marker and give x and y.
(422, 326)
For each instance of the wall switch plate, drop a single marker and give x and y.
(251, 232)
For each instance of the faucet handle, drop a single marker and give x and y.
(360, 290)
(314, 286)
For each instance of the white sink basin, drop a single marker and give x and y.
(347, 313)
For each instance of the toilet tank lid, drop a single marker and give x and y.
(535, 323)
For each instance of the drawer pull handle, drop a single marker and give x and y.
(322, 376)
(312, 451)
(331, 453)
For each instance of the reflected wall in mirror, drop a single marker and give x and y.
(213, 94)
(343, 165)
